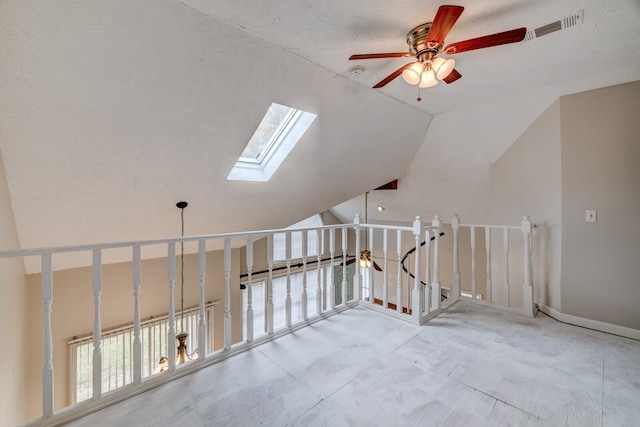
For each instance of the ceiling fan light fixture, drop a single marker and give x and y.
(428, 79)
(412, 73)
(442, 67)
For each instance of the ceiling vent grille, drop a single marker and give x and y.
(561, 24)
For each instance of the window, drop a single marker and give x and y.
(259, 299)
(279, 240)
(117, 351)
(279, 131)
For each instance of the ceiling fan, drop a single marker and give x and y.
(426, 42)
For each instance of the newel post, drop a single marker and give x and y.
(527, 290)
(435, 283)
(455, 225)
(417, 300)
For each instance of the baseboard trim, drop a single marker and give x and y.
(609, 328)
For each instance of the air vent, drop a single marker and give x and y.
(570, 21)
(561, 24)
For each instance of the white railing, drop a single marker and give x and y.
(117, 363)
(417, 297)
(412, 293)
(495, 294)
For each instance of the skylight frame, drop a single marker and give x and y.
(284, 138)
(274, 140)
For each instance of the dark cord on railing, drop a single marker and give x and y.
(409, 252)
(300, 264)
(294, 266)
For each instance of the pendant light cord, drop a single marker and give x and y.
(182, 270)
(366, 220)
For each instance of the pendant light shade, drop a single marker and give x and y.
(442, 67)
(428, 79)
(412, 73)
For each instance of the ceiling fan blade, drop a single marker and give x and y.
(391, 76)
(380, 55)
(452, 77)
(506, 37)
(442, 23)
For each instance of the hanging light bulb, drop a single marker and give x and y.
(442, 67)
(428, 79)
(412, 73)
(365, 259)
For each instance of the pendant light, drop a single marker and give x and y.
(365, 255)
(183, 356)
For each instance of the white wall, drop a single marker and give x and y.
(12, 317)
(601, 170)
(581, 153)
(525, 180)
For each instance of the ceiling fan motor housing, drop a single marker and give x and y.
(416, 39)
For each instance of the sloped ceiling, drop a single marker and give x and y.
(111, 112)
(114, 111)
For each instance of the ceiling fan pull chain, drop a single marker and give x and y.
(419, 97)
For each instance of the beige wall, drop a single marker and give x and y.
(601, 170)
(526, 181)
(582, 153)
(13, 318)
(72, 313)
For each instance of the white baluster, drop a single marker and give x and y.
(357, 282)
(270, 284)
(435, 284)
(455, 225)
(47, 369)
(319, 237)
(399, 295)
(304, 275)
(172, 309)
(417, 297)
(527, 290)
(227, 293)
(487, 241)
(472, 230)
(372, 298)
(505, 236)
(408, 289)
(332, 287)
(202, 327)
(249, 289)
(428, 293)
(288, 259)
(97, 328)
(385, 284)
(137, 344)
(344, 265)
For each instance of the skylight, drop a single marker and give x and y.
(279, 131)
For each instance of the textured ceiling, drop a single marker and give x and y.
(110, 112)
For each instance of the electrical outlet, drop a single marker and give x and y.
(590, 215)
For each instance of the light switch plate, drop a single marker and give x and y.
(590, 215)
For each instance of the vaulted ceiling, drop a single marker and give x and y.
(111, 112)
